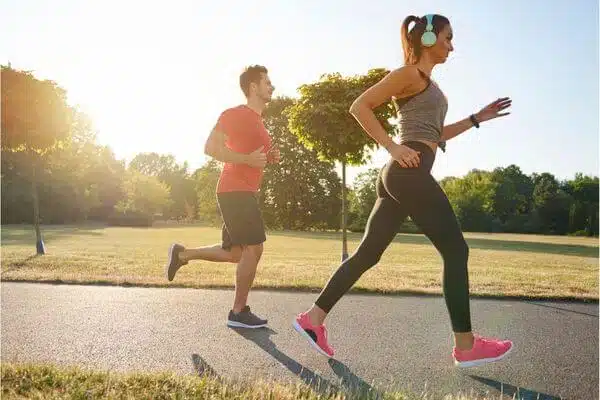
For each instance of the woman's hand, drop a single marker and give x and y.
(493, 110)
(404, 155)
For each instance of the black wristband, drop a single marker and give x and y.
(474, 121)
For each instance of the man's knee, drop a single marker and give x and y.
(236, 254)
(255, 251)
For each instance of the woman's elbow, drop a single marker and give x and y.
(356, 106)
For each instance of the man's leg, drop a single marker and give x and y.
(179, 255)
(245, 273)
(214, 253)
(245, 228)
(240, 316)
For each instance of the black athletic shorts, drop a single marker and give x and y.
(242, 219)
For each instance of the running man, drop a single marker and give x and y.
(241, 141)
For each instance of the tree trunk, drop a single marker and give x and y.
(39, 243)
(591, 220)
(344, 235)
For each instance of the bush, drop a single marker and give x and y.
(409, 227)
(581, 232)
(130, 218)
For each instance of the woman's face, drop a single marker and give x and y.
(443, 46)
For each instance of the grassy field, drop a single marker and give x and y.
(500, 264)
(50, 382)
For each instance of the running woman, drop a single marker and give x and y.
(405, 187)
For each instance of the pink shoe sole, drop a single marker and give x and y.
(310, 340)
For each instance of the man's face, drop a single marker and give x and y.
(264, 89)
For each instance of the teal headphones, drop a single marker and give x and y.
(429, 37)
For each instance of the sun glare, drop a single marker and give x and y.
(137, 108)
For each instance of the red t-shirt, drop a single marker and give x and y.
(245, 133)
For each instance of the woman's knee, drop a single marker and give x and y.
(457, 250)
(362, 260)
(463, 249)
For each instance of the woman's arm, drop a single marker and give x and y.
(396, 83)
(455, 129)
(491, 111)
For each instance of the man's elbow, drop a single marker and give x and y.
(209, 149)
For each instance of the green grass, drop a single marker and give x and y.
(530, 266)
(29, 381)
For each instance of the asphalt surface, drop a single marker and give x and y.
(381, 342)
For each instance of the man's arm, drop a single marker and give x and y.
(215, 147)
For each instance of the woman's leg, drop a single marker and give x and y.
(381, 228)
(430, 209)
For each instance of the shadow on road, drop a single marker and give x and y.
(202, 368)
(562, 309)
(262, 340)
(354, 384)
(514, 392)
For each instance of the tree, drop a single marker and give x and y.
(471, 198)
(83, 179)
(76, 181)
(551, 204)
(16, 188)
(205, 179)
(181, 185)
(35, 119)
(363, 198)
(322, 122)
(104, 178)
(301, 192)
(512, 197)
(583, 215)
(144, 195)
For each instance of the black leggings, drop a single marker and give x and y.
(413, 192)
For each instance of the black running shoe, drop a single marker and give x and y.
(174, 262)
(245, 319)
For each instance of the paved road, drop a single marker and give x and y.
(382, 342)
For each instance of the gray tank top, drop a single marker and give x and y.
(421, 116)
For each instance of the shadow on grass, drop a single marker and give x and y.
(514, 392)
(262, 339)
(18, 264)
(19, 235)
(353, 383)
(474, 243)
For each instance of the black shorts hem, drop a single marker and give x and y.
(242, 219)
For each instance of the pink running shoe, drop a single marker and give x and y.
(485, 350)
(316, 335)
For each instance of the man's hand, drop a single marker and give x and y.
(274, 156)
(257, 158)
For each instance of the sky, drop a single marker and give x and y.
(155, 78)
